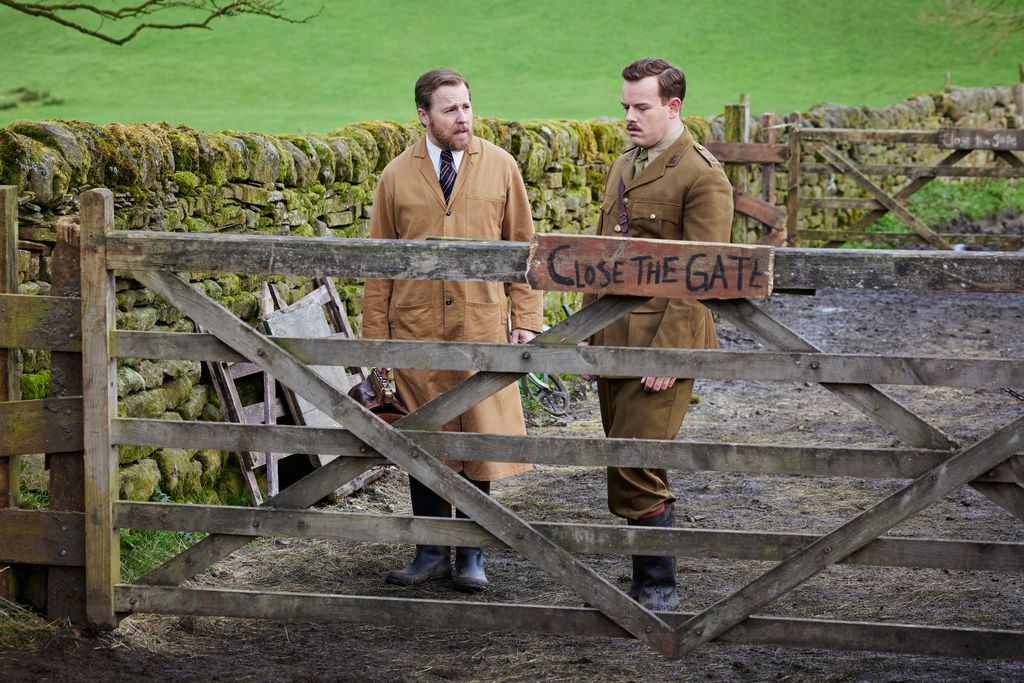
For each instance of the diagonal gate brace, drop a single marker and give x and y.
(419, 463)
(967, 464)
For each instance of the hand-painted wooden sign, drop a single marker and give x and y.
(646, 267)
(976, 138)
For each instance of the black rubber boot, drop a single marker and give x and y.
(654, 578)
(431, 561)
(469, 574)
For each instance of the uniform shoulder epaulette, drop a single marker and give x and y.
(708, 156)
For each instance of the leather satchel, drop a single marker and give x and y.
(376, 395)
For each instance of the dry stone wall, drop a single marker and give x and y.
(180, 179)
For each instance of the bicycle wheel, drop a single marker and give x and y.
(549, 391)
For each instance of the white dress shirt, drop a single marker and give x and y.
(435, 157)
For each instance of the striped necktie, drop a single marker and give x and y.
(447, 173)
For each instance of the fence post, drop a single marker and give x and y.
(65, 586)
(99, 398)
(10, 385)
(1018, 98)
(793, 180)
(737, 129)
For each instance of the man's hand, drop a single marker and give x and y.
(656, 384)
(521, 336)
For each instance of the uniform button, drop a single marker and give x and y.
(618, 228)
(625, 200)
(447, 213)
(653, 216)
(448, 302)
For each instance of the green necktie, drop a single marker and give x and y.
(640, 163)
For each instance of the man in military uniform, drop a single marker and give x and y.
(667, 187)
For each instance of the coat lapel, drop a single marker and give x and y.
(427, 171)
(465, 168)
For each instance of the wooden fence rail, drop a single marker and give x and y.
(71, 539)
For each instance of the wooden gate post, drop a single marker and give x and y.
(737, 129)
(10, 389)
(793, 180)
(99, 397)
(65, 586)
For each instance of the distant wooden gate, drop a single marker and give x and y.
(937, 465)
(955, 143)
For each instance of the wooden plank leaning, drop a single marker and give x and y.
(99, 393)
(841, 164)
(871, 401)
(483, 509)
(930, 487)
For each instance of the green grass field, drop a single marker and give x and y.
(358, 60)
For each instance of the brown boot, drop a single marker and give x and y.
(654, 577)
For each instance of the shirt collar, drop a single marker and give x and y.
(435, 156)
(656, 150)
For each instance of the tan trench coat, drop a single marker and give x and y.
(682, 195)
(488, 202)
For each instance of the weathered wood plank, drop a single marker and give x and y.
(895, 270)
(839, 203)
(869, 400)
(10, 383)
(649, 267)
(865, 135)
(981, 138)
(578, 538)
(844, 166)
(65, 586)
(99, 393)
(40, 322)
(416, 461)
(748, 152)
(923, 171)
(967, 464)
(862, 463)
(477, 617)
(49, 425)
(495, 261)
(789, 366)
(44, 537)
(758, 209)
(793, 180)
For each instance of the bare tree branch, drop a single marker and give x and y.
(202, 14)
(989, 23)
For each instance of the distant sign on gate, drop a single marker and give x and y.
(975, 138)
(646, 267)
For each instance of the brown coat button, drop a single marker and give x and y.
(448, 302)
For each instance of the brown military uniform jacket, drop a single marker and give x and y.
(488, 202)
(681, 195)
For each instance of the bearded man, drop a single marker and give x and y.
(451, 184)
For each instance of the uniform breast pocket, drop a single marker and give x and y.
(658, 220)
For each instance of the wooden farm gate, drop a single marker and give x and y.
(70, 541)
(953, 144)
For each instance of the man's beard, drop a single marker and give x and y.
(445, 141)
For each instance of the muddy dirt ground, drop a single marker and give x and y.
(217, 649)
